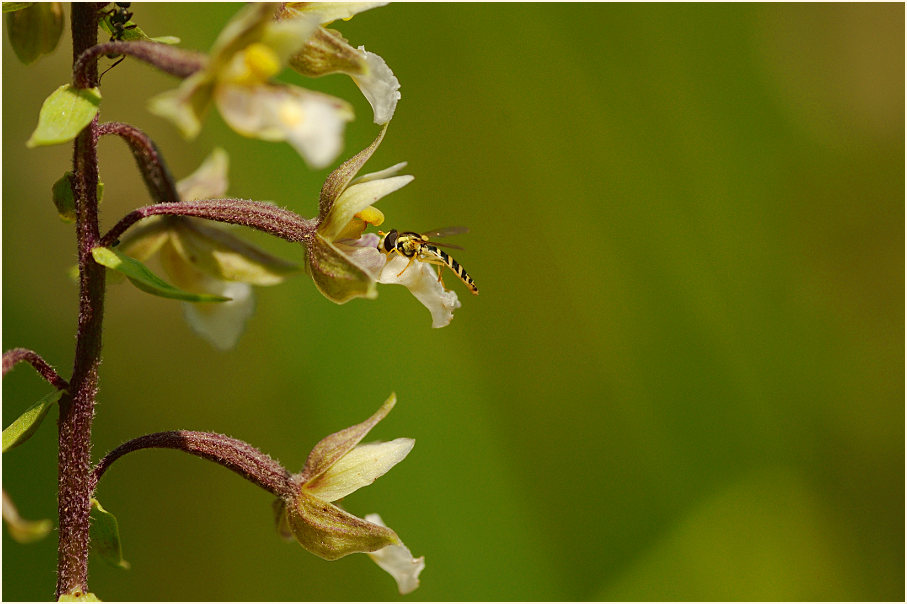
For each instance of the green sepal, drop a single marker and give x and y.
(331, 533)
(142, 277)
(25, 425)
(34, 29)
(80, 597)
(335, 276)
(11, 7)
(64, 114)
(105, 536)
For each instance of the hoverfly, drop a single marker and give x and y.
(417, 246)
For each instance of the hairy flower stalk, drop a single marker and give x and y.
(18, 355)
(233, 454)
(175, 61)
(245, 212)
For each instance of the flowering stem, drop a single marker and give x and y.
(175, 61)
(255, 214)
(233, 454)
(17, 355)
(77, 405)
(151, 164)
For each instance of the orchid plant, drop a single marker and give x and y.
(208, 266)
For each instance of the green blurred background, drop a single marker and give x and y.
(683, 378)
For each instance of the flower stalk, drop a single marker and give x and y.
(233, 454)
(175, 61)
(255, 214)
(18, 355)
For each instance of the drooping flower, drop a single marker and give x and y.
(202, 258)
(251, 49)
(345, 262)
(327, 51)
(336, 467)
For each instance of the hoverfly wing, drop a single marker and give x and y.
(446, 232)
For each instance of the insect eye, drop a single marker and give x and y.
(390, 241)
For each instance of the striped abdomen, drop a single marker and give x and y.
(453, 265)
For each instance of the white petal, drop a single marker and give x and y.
(422, 281)
(331, 11)
(363, 252)
(209, 180)
(380, 86)
(221, 323)
(398, 561)
(356, 198)
(380, 174)
(311, 122)
(360, 467)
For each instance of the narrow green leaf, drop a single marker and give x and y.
(105, 536)
(64, 114)
(25, 425)
(144, 279)
(79, 597)
(169, 40)
(11, 7)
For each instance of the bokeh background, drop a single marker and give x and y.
(683, 378)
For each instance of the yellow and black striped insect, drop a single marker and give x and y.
(418, 246)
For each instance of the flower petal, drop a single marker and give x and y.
(221, 323)
(398, 561)
(187, 105)
(359, 468)
(422, 281)
(330, 11)
(247, 26)
(356, 198)
(311, 122)
(209, 180)
(331, 533)
(332, 448)
(380, 173)
(379, 85)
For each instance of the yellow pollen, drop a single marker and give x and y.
(261, 61)
(371, 215)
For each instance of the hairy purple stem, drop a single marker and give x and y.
(233, 454)
(77, 405)
(175, 61)
(17, 355)
(255, 214)
(150, 162)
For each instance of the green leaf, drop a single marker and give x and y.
(11, 7)
(169, 40)
(105, 536)
(144, 279)
(79, 597)
(34, 30)
(64, 114)
(65, 198)
(25, 425)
